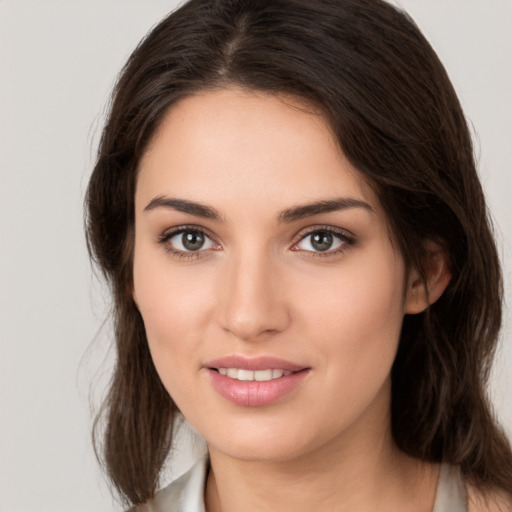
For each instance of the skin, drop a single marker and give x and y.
(259, 287)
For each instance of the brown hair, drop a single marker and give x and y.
(394, 112)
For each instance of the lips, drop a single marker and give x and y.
(254, 382)
(256, 363)
(258, 375)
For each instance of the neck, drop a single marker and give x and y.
(361, 469)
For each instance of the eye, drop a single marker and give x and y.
(323, 241)
(186, 240)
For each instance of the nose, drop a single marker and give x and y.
(253, 303)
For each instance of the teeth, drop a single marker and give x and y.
(262, 375)
(258, 375)
(245, 375)
(232, 372)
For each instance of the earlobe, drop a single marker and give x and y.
(422, 293)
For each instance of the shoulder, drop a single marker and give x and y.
(183, 493)
(493, 501)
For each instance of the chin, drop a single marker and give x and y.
(273, 440)
(260, 450)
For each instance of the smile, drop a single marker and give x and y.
(255, 381)
(258, 375)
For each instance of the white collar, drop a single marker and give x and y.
(185, 494)
(184, 478)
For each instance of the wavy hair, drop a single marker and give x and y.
(393, 110)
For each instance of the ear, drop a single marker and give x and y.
(437, 276)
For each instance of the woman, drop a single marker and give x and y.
(286, 206)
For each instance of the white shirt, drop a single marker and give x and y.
(186, 493)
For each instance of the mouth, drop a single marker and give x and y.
(256, 375)
(254, 382)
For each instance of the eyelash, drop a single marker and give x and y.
(347, 240)
(186, 255)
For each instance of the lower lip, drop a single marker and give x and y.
(255, 393)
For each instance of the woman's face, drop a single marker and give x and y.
(271, 293)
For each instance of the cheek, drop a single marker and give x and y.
(355, 323)
(356, 317)
(174, 338)
(168, 295)
(176, 306)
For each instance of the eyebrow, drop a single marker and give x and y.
(327, 206)
(182, 205)
(286, 216)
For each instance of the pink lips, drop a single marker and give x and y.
(255, 393)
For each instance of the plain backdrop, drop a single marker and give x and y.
(58, 61)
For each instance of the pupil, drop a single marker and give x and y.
(192, 241)
(321, 241)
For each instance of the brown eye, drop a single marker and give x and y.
(188, 240)
(192, 240)
(322, 241)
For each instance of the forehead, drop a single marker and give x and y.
(235, 145)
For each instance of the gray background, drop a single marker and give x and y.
(58, 61)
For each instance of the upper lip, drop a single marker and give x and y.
(254, 363)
